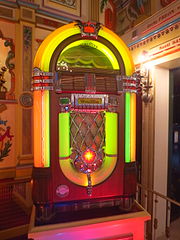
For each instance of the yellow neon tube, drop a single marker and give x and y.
(64, 135)
(127, 118)
(49, 45)
(111, 129)
(133, 126)
(120, 46)
(46, 130)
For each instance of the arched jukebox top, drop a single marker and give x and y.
(94, 39)
(91, 65)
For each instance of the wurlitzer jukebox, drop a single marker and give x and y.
(84, 124)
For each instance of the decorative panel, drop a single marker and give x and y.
(6, 12)
(47, 23)
(95, 10)
(26, 131)
(164, 3)
(27, 14)
(7, 135)
(27, 57)
(130, 13)
(7, 76)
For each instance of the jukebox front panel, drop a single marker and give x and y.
(87, 164)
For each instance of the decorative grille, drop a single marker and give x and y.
(87, 131)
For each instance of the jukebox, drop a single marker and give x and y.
(84, 124)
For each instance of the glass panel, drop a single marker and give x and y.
(87, 54)
(84, 57)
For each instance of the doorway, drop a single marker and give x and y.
(174, 142)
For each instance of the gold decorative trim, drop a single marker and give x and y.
(24, 171)
(7, 173)
(158, 35)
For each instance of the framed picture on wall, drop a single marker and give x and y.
(68, 3)
(69, 6)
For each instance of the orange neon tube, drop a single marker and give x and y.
(37, 129)
(41, 129)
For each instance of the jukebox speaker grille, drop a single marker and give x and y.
(87, 130)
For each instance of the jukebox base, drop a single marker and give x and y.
(75, 211)
(111, 225)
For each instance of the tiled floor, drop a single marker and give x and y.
(174, 231)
